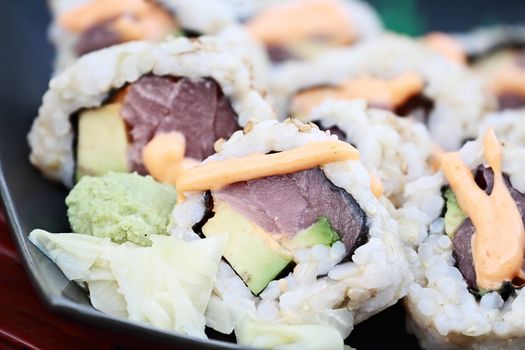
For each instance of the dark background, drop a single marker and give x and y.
(417, 17)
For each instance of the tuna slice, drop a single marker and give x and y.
(196, 108)
(279, 54)
(98, 37)
(286, 204)
(511, 101)
(463, 237)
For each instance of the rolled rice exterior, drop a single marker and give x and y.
(484, 41)
(398, 152)
(442, 313)
(361, 15)
(351, 292)
(89, 81)
(509, 126)
(460, 100)
(203, 16)
(495, 54)
(395, 150)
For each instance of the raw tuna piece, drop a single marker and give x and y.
(279, 54)
(98, 37)
(196, 108)
(463, 252)
(287, 204)
(510, 101)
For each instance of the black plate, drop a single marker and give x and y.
(32, 202)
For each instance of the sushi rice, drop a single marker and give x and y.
(399, 152)
(203, 16)
(460, 100)
(376, 278)
(362, 16)
(394, 149)
(407, 255)
(508, 124)
(442, 312)
(89, 81)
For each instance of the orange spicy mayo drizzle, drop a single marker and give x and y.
(435, 157)
(376, 185)
(143, 20)
(498, 244)
(301, 20)
(384, 93)
(447, 46)
(218, 174)
(164, 157)
(510, 79)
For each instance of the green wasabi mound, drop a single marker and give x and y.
(123, 207)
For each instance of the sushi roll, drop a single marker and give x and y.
(395, 150)
(446, 45)
(497, 54)
(394, 73)
(398, 153)
(469, 273)
(82, 26)
(299, 29)
(311, 247)
(509, 125)
(137, 106)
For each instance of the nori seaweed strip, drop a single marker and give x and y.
(414, 103)
(208, 214)
(362, 237)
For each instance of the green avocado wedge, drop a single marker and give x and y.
(454, 216)
(102, 142)
(251, 251)
(321, 232)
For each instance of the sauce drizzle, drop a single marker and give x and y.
(498, 245)
(378, 92)
(218, 174)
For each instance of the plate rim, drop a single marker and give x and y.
(82, 313)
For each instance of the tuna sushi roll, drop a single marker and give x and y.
(395, 150)
(509, 125)
(446, 45)
(82, 26)
(497, 54)
(299, 29)
(469, 271)
(394, 73)
(311, 248)
(146, 107)
(398, 153)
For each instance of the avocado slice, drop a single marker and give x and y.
(321, 232)
(454, 216)
(251, 251)
(102, 142)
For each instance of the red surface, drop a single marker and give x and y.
(25, 322)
